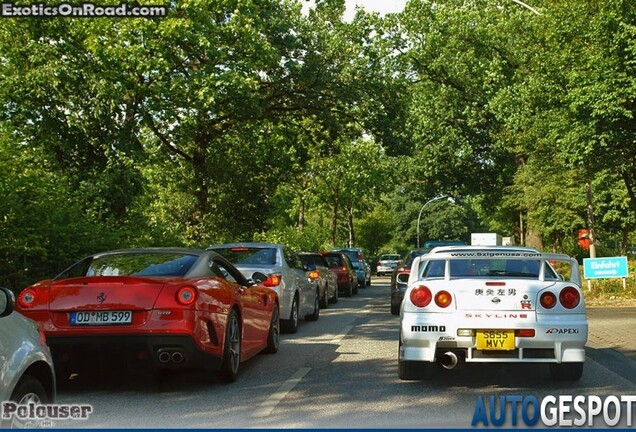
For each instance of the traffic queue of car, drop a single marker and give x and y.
(167, 309)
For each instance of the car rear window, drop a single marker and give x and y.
(354, 256)
(528, 269)
(390, 258)
(133, 264)
(334, 260)
(249, 255)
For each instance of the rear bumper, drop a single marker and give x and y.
(424, 336)
(130, 352)
(384, 269)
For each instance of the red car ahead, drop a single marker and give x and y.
(347, 277)
(158, 308)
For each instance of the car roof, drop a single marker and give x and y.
(245, 244)
(470, 248)
(189, 251)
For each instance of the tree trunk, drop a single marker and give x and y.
(334, 221)
(534, 240)
(352, 234)
(301, 214)
(624, 240)
(590, 218)
(199, 166)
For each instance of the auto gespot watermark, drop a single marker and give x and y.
(561, 411)
(33, 412)
(81, 10)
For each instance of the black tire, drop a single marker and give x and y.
(395, 308)
(291, 325)
(566, 371)
(324, 300)
(369, 282)
(316, 313)
(231, 349)
(28, 390)
(355, 288)
(273, 337)
(348, 291)
(334, 299)
(410, 370)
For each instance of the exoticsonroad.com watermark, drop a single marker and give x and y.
(81, 10)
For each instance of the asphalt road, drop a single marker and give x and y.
(341, 372)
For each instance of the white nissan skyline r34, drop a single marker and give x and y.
(492, 304)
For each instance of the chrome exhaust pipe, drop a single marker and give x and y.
(164, 357)
(449, 360)
(177, 357)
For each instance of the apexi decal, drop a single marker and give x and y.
(497, 315)
(562, 331)
(431, 328)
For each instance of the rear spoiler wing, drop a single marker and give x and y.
(545, 258)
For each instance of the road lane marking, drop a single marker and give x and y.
(268, 406)
(342, 334)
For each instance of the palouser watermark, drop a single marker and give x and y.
(43, 414)
(81, 10)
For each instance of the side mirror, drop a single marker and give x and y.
(7, 300)
(309, 267)
(258, 277)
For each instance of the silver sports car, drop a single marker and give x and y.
(281, 270)
(493, 304)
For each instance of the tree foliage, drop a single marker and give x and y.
(238, 120)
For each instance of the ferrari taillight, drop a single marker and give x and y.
(548, 300)
(421, 296)
(273, 280)
(26, 298)
(186, 295)
(569, 297)
(443, 299)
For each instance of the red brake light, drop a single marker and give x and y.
(379, 264)
(421, 296)
(186, 295)
(569, 297)
(273, 280)
(313, 274)
(547, 300)
(344, 268)
(26, 298)
(240, 249)
(443, 299)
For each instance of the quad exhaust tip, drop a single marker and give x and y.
(177, 357)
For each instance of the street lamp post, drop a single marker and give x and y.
(420, 215)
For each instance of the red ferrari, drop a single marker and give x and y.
(156, 308)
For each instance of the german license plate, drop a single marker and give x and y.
(100, 318)
(496, 340)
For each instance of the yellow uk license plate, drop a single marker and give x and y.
(496, 340)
